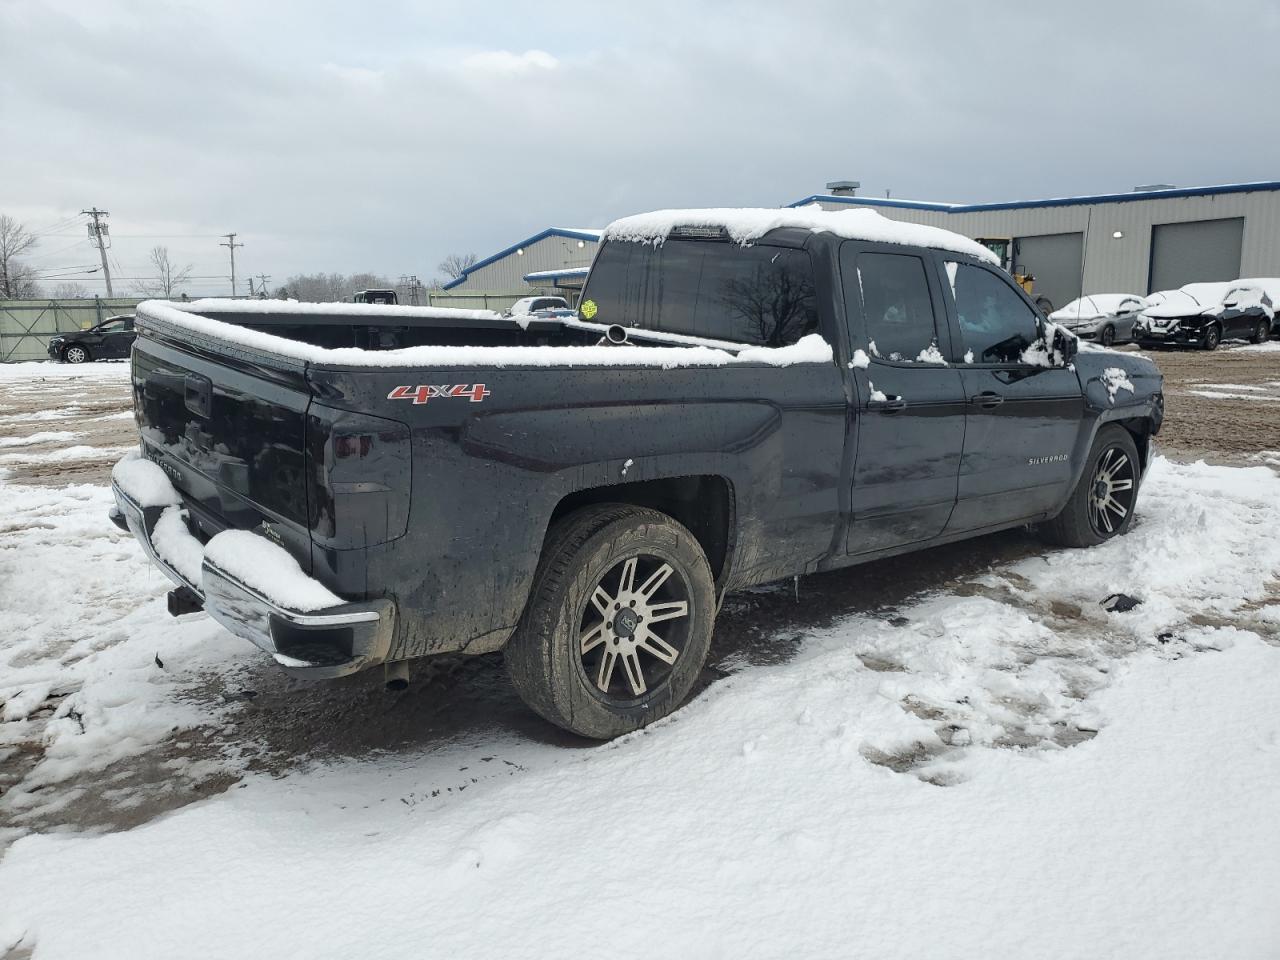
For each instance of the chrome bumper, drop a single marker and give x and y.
(319, 644)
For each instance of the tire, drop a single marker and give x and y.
(1212, 337)
(75, 353)
(1082, 523)
(1261, 332)
(559, 656)
(1107, 336)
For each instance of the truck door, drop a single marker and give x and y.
(909, 403)
(1023, 420)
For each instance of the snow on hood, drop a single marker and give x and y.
(1094, 307)
(747, 224)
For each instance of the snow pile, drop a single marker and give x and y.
(32, 372)
(810, 349)
(176, 546)
(1072, 742)
(1116, 379)
(875, 396)
(931, 354)
(860, 360)
(744, 225)
(44, 436)
(144, 481)
(257, 562)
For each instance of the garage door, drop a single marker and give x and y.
(1198, 250)
(1054, 260)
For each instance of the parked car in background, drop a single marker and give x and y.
(1271, 287)
(1105, 317)
(528, 305)
(1204, 314)
(108, 340)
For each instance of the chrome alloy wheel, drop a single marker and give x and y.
(76, 354)
(634, 628)
(1112, 491)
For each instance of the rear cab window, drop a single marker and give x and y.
(758, 295)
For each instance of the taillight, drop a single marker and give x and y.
(360, 470)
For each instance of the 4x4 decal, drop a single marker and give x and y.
(476, 392)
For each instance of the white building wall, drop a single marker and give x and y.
(549, 253)
(1120, 265)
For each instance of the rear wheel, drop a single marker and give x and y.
(1108, 335)
(1212, 337)
(1261, 331)
(1102, 504)
(76, 354)
(618, 623)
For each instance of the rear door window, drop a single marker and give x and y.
(897, 308)
(997, 324)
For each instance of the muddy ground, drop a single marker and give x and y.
(281, 722)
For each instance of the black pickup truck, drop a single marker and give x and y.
(745, 396)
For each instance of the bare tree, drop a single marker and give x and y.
(169, 277)
(66, 291)
(16, 280)
(456, 264)
(332, 287)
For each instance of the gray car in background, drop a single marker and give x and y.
(1105, 317)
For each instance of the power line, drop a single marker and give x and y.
(231, 245)
(98, 231)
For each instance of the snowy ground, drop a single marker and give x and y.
(959, 753)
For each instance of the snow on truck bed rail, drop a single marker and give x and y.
(379, 310)
(810, 349)
(747, 224)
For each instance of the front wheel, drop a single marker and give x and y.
(75, 354)
(1101, 506)
(1108, 335)
(618, 623)
(1212, 337)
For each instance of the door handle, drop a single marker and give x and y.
(198, 394)
(988, 400)
(887, 405)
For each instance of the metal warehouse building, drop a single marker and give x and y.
(556, 250)
(1139, 242)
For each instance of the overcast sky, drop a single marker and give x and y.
(382, 136)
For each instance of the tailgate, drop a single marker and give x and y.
(230, 434)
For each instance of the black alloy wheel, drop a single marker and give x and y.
(1212, 337)
(1261, 331)
(1112, 492)
(1108, 335)
(634, 628)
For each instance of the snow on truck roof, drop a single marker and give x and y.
(747, 224)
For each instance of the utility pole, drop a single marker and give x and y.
(231, 245)
(262, 284)
(98, 230)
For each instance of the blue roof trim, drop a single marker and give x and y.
(549, 232)
(1264, 185)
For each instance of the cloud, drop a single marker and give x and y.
(504, 61)
(384, 141)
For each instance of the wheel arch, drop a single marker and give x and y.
(704, 503)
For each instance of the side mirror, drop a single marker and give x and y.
(1064, 345)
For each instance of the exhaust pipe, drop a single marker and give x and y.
(614, 336)
(397, 676)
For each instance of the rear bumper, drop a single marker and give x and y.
(315, 644)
